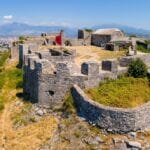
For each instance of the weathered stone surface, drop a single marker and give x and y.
(40, 112)
(132, 135)
(123, 146)
(49, 76)
(93, 141)
(133, 144)
(110, 65)
(109, 118)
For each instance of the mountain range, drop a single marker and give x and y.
(18, 29)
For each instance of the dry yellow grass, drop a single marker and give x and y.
(90, 53)
(32, 136)
(29, 137)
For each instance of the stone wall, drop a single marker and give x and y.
(100, 40)
(46, 82)
(50, 74)
(14, 52)
(124, 61)
(109, 118)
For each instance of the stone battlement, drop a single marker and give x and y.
(50, 74)
(112, 119)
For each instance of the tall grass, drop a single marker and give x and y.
(143, 49)
(10, 79)
(3, 57)
(126, 92)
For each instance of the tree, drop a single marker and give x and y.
(137, 69)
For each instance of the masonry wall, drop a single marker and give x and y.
(111, 119)
(15, 52)
(124, 61)
(50, 74)
(46, 82)
(100, 40)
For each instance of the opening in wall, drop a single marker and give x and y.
(51, 93)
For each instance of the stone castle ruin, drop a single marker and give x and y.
(51, 73)
(109, 39)
(85, 38)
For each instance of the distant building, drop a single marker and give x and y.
(103, 36)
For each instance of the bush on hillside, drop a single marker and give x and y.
(137, 69)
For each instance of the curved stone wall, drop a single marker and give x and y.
(112, 119)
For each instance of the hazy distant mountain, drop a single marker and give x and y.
(17, 29)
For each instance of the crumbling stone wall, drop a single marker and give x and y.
(109, 118)
(124, 61)
(49, 76)
(100, 40)
(46, 82)
(14, 52)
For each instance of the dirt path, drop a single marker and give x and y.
(28, 137)
(5, 125)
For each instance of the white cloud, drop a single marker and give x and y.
(8, 17)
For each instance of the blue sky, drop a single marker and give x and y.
(77, 12)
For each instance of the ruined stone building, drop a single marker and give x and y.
(101, 37)
(109, 39)
(50, 74)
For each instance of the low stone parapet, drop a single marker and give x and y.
(116, 120)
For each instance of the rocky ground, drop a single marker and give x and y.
(29, 127)
(74, 133)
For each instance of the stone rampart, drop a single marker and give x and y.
(111, 119)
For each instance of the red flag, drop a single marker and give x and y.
(58, 39)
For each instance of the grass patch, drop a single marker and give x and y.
(143, 49)
(3, 57)
(69, 105)
(10, 79)
(22, 117)
(13, 77)
(126, 92)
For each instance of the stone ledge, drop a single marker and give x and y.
(113, 119)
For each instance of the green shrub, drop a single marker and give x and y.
(22, 38)
(142, 49)
(137, 69)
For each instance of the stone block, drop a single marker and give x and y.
(23, 49)
(110, 65)
(90, 68)
(124, 61)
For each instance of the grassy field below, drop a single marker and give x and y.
(10, 79)
(126, 92)
(30, 136)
